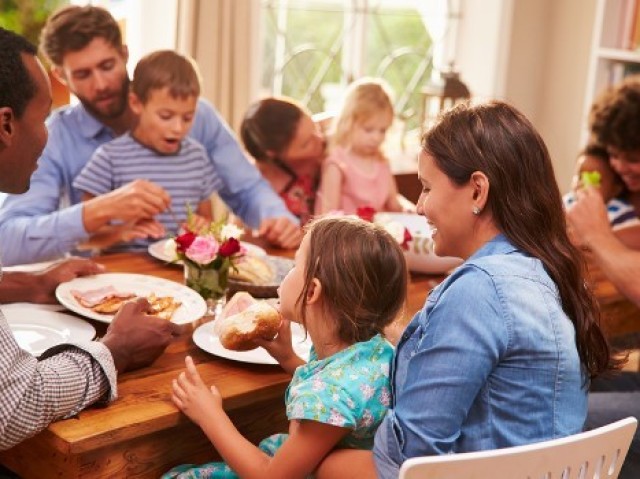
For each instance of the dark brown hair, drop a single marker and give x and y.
(72, 28)
(614, 119)
(525, 202)
(269, 125)
(166, 69)
(363, 274)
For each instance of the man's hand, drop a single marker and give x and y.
(40, 286)
(48, 280)
(281, 232)
(110, 235)
(588, 219)
(135, 338)
(140, 199)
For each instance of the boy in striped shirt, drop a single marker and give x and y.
(164, 93)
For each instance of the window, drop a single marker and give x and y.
(312, 49)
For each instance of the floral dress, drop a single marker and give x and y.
(349, 389)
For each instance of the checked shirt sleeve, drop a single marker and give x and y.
(65, 380)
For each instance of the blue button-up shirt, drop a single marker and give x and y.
(46, 222)
(489, 362)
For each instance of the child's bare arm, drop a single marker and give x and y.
(393, 202)
(330, 190)
(308, 443)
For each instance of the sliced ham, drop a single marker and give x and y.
(238, 303)
(93, 297)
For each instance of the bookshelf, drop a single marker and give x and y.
(615, 51)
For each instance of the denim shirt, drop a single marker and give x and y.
(489, 362)
(46, 221)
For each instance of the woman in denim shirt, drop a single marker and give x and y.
(503, 350)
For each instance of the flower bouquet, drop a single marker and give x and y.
(207, 255)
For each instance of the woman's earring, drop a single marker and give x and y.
(476, 210)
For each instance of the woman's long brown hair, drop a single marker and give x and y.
(525, 203)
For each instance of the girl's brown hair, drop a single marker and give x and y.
(166, 69)
(525, 202)
(363, 274)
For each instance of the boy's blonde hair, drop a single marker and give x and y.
(363, 274)
(363, 99)
(166, 69)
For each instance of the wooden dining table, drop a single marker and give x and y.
(142, 434)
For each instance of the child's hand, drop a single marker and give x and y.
(192, 396)
(198, 223)
(281, 348)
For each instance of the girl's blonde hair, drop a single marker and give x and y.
(363, 274)
(363, 99)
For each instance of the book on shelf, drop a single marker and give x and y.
(618, 71)
(627, 24)
(634, 32)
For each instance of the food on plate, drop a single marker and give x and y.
(253, 269)
(101, 296)
(108, 300)
(243, 320)
(162, 306)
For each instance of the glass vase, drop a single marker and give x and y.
(209, 283)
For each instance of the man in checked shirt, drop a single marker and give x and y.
(70, 377)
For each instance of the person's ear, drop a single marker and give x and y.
(135, 103)
(58, 73)
(7, 126)
(125, 53)
(314, 292)
(480, 184)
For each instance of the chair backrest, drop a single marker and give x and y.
(598, 453)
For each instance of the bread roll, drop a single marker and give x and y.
(238, 331)
(255, 270)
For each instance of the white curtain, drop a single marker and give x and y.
(223, 37)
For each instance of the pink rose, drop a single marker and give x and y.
(229, 247)
(203, 250)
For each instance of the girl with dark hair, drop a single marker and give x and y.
(289, 149)
(503, 350)
(349, 282)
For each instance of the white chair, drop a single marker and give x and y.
(596, 454)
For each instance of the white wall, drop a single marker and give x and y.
(534, 54)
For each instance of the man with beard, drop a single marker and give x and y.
(84, 45)
(69, 377)
(615, 124)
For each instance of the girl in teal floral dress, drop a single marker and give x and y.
(349, 282)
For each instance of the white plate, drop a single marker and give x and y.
(37, 328)
(206, 339)
(193, 307)
(157, 251)
(31, 266)
(420, 256)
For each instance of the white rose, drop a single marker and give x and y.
(396, 230)
(170, 249)
(230, 231)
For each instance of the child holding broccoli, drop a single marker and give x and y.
(593, 170)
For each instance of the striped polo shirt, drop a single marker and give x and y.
(188, 176)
